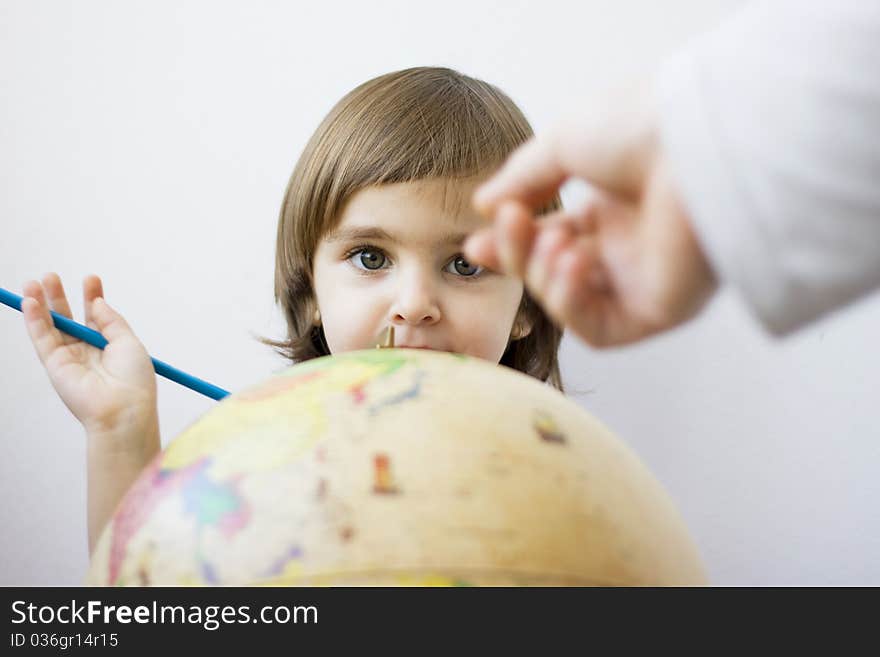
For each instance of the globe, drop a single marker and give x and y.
(396, 467)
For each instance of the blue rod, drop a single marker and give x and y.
(95, 339)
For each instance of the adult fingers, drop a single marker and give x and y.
(582, 219)
(531, 175)
(574, 281)
(550, 242)
(480, 248)
(612, 145)
(507, 244)
(514, 234)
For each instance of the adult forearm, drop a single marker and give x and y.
(772, 127)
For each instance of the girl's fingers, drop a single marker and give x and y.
(55, 294)
(92, 289)
(41, 328)
(58, 300)
(44, 336)
(108, 322)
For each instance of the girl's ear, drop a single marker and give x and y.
(522, 326)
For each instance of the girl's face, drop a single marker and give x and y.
(395, 259)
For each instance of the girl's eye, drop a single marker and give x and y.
(463, 268)
(369, 259)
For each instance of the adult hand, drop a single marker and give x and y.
(625, 266)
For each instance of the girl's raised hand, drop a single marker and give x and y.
(110, 391)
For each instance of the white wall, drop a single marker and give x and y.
(151, 143)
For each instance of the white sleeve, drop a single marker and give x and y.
(772, 129)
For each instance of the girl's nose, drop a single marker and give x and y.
(415, 303)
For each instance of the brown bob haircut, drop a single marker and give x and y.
(415, 124)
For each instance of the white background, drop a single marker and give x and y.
(151, 143)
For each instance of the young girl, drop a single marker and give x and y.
(369, 236)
